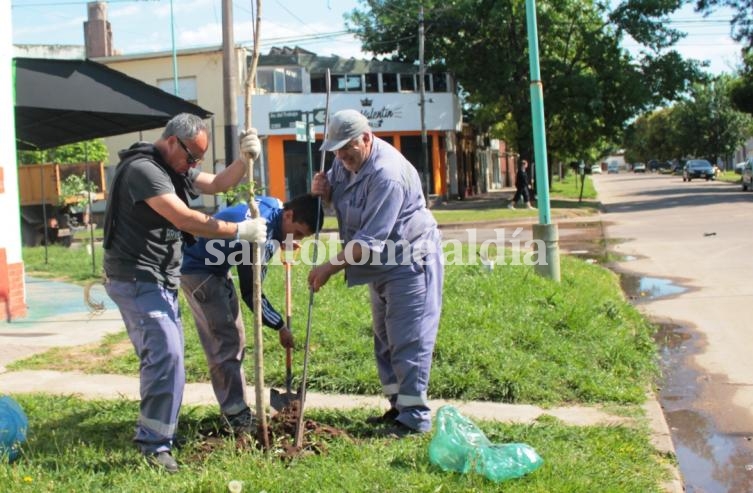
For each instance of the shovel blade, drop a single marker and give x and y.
(280, 400)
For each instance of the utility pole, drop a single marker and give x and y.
(229, 83)
(545, 230)
(175, 51)
(422, 104)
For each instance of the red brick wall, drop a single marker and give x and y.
(12, 302)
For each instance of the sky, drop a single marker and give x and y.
(140, 26)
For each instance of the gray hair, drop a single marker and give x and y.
(185, 126)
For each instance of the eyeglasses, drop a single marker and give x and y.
(191, 159)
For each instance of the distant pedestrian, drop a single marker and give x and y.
(391, 243)
(146, 224)
(522, 187)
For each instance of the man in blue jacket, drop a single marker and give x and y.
(209, 289)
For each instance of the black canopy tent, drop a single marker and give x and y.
(59, 102)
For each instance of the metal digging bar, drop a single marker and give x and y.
(299, 424)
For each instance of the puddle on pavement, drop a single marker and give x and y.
(709, 461)
(645, 288)
(595, 253)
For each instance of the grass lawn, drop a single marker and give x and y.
(507, 335)
(729, 177)
(84, 446)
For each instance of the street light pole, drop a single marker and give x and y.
(544, 230)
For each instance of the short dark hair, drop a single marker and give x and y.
(306, 209)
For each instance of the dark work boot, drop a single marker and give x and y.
(163, 460)
(386, 418)
(242, 423)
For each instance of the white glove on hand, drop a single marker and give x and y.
(253, 230)
(250, 146)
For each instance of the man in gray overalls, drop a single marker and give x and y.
(390, 242)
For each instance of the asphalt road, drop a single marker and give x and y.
(698, 235)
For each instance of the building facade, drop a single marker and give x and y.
(291, 97)
(291, 87)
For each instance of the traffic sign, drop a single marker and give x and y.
(283, 119)
(300, 132)
(319, 115)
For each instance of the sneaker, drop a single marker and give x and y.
(242, 423)
(397, 430)
(529, 206)
(163, 460)
(387, 417)
(511, 206)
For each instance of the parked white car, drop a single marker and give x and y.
(595, 169)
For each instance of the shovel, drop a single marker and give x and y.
(277, 399)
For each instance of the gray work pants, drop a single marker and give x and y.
(151, 317)
(216, 310)
(405, 311)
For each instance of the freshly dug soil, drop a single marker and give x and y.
(281, 432)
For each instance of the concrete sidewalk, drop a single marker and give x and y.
(76, 326)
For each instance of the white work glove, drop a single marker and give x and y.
(250, 146)
(253, 230)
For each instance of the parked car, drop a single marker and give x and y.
(739, 168)
(639, 168)
(653, 165)
(747, 173)
(595, 169)
(666, 168)
(613, 167)
(698, 168)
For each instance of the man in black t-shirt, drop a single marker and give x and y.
(147, 220)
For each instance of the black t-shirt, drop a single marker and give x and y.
(145, 246)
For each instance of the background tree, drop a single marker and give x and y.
(741, 89)
(710, 126)
(591, 85)
(91, 150)
(704, 125)
(654, 135)
(742, 31)
(742, 19)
